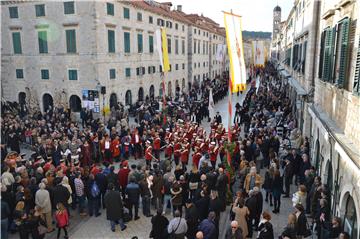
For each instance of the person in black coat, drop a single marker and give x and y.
(265, 227)
(101, 181)
(93, 200)
(159, 225)
(132, 191)
(251, 204)
(203, 205)
(288, 174)
(56, 154)
(60, 194)
(14, 142)
(215, 205)
(221, 186)
(218, 118)
(114, 208)
(259, 205)
(192, 219)
(290, 229)
(301, 221)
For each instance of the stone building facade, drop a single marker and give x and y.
(322, 73)
(52, 51)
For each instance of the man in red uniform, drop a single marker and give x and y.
(184, 157)
(168, 150)
(177, 152)
(123, 175)
(157, 145)
(148, 153)
(196, 157)
(213, 151)
(115, 149)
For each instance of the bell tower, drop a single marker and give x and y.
(276, 22)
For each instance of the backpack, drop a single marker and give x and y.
(95, 191)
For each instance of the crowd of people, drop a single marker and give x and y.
(177, 169)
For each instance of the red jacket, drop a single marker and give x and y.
(148, 152)
(157, 143)
(114, 147)
(196, 159)
(184, 157)
(62, 218)
(123, 177)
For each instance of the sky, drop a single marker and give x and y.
(256, 14)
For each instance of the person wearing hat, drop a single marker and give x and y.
(213, 151)
(218, 118)
(157, 146)
(148, 153)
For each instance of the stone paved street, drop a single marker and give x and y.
(99, 227)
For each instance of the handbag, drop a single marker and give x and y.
(193, 186)
(308, 231)
(42, 229)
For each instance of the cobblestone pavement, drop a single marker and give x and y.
(99, 227)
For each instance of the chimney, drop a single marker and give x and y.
(179, 8)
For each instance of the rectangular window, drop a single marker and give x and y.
(73, 75)
(183, 47)
(176, 46)
(199, 47)
(45, 74)
(40, 10)
(69, 8)
(176, 66)
(183, 28)
(13, 11)
(126, 13)
(169, 45)
(342, 55)
(16, 42)
(151, 44)
(127, 42)
(176, 26)
(194, 65)
(149, 69)
(42, 38)
(160, 68)
(194, 46)
(111, 41)
(19, 73)
(110, 9)
(70, 41)
(183, 66)
(127, 72)
(168, 24)
(140, 42)
(139, 16)
(112, 73)
(151, 19)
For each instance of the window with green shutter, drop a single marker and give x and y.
(328, 54)
(151, 20)
(140, 42)
(110, 9)
(112, 73)
(356, 86)
(45, 74)
(344, 42)
(13, 11)
(151, 44)
(139, 16)
(111, 41)
(69, 7)
(40, 10)
(70, 41)
(42, 38)
(183, 47)
(127, 72)
(127, 42)
(19, 73)
(126, 13)
(16, 37)
(73, 75)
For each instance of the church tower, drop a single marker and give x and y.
(276, 22)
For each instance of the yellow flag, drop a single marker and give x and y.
(165, 51)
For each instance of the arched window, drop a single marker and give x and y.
(113, 100)
(350, 219)
(141, 94)
(152, 92)
(183, 84)
(75, 103)
(128, 98)
(47, 102)
(22, 98)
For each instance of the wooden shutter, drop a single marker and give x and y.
(328, 54)
(344, 40)
(111, 41)
(321, 60)
(127, 42)
(356, 86)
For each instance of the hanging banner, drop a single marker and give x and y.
(259, 52)
(220, 52)
(159, 46)
(236, 51)
(90, 100)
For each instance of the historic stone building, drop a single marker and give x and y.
(52, 51)
(317, 53)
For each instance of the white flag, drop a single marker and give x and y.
(211, 105)
(220, 51)
(257, 85)
(159, 46)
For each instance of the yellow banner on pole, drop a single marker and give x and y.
(236, 51)
(165, 51)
